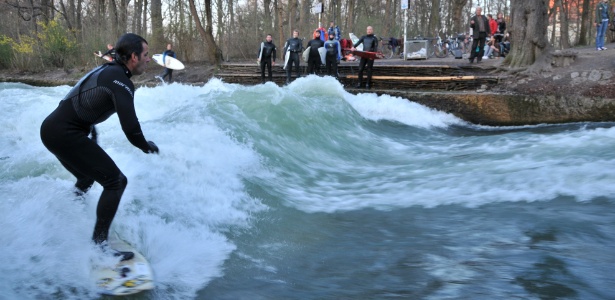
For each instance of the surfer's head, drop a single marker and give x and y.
(331, 36)
(316, 34)
(370, 30)
(169, 46)
(269, 38)
(295, 33)
(132, 51)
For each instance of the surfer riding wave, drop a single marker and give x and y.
(98, 95)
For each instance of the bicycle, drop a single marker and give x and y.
(390, 49)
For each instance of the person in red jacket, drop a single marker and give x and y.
(493, 24)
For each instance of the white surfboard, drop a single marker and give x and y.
(286, 58)
(127, 277)
(354, 40)
(170, 62)
(323, 55)
(306, 54)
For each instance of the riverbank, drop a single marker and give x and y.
(579, 87)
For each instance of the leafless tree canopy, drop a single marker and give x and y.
(216, 30)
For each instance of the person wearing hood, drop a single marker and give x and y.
(314, 60)
(333, 55)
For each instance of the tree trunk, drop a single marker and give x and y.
(564, 40)
(157, 41)
(585, 21)
(206, 33)
(280, 12)
(114, 18)
(123, 16)
(349, 16)
(458, 19)
(388, 19)
(434, 18)
(529, 44)
(268, 18)
(304, 8)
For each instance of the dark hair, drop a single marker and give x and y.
(128, 44)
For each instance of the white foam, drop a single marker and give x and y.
(175, 209)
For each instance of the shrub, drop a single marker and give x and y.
(6, 51)
(57, 43)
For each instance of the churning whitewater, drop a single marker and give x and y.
(306, 191)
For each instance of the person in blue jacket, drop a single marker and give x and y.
(333, 55)
(167, 71)
(335, 30)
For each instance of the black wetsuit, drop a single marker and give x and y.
(333, 56)
(370, 43)
(167, 71)
(267, 53)
(314, 60)
(294, 46)
(101, 93)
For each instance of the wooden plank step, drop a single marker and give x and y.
(433, 78)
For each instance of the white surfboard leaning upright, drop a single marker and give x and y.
(127, 277)
(306, 54)
(286, 58)
(323, 55)
(354, 40)
(170, 62)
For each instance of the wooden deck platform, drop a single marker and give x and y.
(387, 75)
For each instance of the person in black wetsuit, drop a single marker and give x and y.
(294, 46)
(98, 95)
(333, 54)
(167, 71)
(314, 60)
(370, 43)
(266, 57)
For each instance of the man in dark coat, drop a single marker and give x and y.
(480, 32)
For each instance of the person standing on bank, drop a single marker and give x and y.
(602, 22)
(333, 55)
(314, 59)
(266, 57)
(167, 72)
(335, 30)
(499, 34)
(98, 95)
(480, 32)
(293, 47)
(370, 43)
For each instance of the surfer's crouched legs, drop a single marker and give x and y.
(107, 206)
(88, 162)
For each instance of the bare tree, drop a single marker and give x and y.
(529, 44)
(212, 50)
(157, 41)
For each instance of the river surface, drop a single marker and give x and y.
(309, 192)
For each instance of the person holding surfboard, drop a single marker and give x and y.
(333, 55)
(370, 44)
(98, 95)
(292, 48)
(266, 57)
(109, 55)
(167, 71)
(314, 60)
